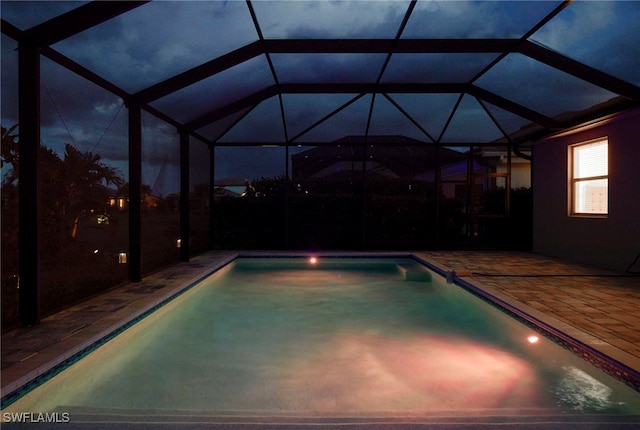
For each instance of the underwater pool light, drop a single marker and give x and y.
(533, 339)
(313, 260)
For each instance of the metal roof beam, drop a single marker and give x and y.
(84, 72)
(375, 144)
(201, 72)
(318, 46)
(377, 46)
(276, 46)
(166, 118)
(390, 88)
(326, 117)
(11, 30)
(355, 88)
(580, 70)
(262, 95)
(513, 107)
(78, 20)
(244, 103)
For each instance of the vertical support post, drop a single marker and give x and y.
(363, 226)
(135, 191)
(472, 228)
(508, 182)
(184, 196)
(438, 185)
(28, 235)
(287, 183)
(212, 195)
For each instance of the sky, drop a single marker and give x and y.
(130, 52)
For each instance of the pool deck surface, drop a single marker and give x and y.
(598, 307)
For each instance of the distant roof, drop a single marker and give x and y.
(305, 72)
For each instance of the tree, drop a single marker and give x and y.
(68, 186)
(85, 180)
(83, 185)
(9, 155)
(9, 221)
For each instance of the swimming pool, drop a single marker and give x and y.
(342, 337)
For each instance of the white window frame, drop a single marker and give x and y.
(576, 182)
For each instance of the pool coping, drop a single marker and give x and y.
(570, 337)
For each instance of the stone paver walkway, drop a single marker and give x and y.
(598, 307)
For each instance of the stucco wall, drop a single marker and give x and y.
(612, 242)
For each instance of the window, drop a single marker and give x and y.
(589, 192)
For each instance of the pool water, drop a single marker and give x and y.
(335, 338)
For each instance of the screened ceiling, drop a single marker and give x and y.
(311, 72)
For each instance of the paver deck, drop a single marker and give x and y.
(598, 307)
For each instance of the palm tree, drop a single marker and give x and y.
(68, 186)
(84, 183)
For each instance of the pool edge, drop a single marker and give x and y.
(540, 323)
(16, 389)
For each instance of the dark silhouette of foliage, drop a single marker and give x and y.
(9, 155)
(70, 187)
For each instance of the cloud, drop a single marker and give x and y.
(218, 90)
(576, 24)
(327, 68)
(547, 90)
(107, 108)
(160, 39)
(74, 110)
(591, 32)
(330, 19)
(434, 68)
(481, 19)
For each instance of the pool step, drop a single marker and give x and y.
(412, 272)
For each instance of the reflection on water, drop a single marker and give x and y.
(579, 391)
(364, 371)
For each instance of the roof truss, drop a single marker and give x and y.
(91, 14)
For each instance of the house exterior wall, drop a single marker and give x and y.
(520, 172)
(612, 242)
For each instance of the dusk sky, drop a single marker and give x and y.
(163, 38)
